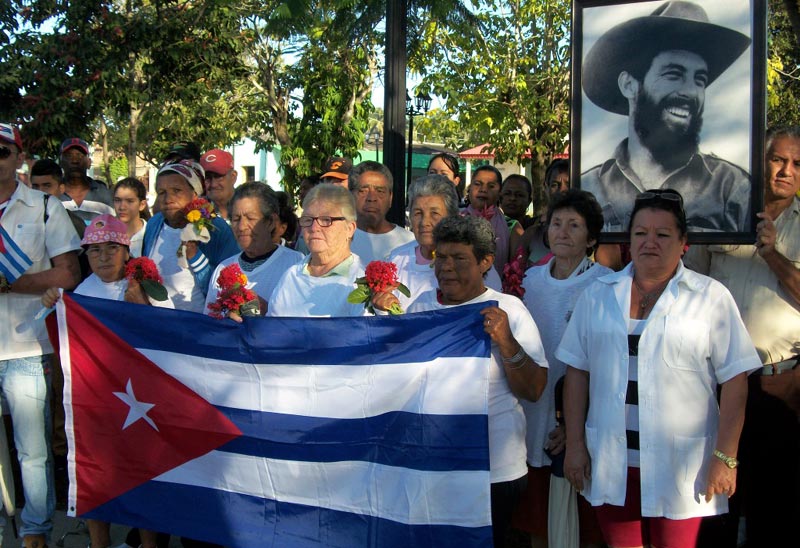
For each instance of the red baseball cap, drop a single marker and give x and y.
(217, 161)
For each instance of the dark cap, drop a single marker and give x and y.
(338, 167)
(74, 142)
(184, 150)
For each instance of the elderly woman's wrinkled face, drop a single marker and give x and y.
(567, 234)
(459, 273)
(328, 240)
(426, 212)
(656, 241)
(107, 260)
(252, 231)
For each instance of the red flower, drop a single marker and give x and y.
(381, 276)
(513, 273)
(230, 277)
(142, 268)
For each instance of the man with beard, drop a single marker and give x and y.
(655, 70)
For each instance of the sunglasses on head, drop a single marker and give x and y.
(667, 195)
(5, 152)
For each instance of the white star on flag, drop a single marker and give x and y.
(138, 410)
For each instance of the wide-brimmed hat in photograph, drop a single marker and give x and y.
(672, 26)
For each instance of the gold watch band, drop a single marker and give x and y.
(730, 462)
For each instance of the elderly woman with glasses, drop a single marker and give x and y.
(648, 443)
(319, 285)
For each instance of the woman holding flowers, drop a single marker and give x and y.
(320, 285)
(254, 214)
(574, 222)
(464, 252)
(106, 244)
(186, 262)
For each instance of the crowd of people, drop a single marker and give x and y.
(617, 396)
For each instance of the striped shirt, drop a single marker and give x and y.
(635, 329)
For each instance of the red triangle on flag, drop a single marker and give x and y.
(112, 384)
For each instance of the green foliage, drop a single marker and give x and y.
(511, 88)
(118, 167)
(783, 68)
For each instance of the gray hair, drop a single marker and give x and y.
(473, 231)
(354, 178)
(435, 185)
(793, 132)
(333, 194)
(267, 201)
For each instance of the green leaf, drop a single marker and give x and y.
(404, 290)
(154, 290)
(358, 295)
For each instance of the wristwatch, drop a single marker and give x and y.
(730, 462)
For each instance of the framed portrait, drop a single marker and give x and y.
(671, 95)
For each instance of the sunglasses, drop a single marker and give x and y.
(5, 152)
(668, 195)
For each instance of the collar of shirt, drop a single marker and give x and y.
(341, 269)
(621, 160)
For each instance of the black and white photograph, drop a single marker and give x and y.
(670, 95)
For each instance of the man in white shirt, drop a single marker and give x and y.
(39, 225)
(765, 283)
(371, 185)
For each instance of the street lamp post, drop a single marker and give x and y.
(373, 137)
(420, 105)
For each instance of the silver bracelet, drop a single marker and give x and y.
(517, 359)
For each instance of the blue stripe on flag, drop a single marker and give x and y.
(14, 262)
(409, 440)
(342, 341)
(243, 521)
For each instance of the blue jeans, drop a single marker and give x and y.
(25, 386)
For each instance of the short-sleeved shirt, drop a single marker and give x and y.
(507, 451)
(23, 220)
(376, 247)
(98, 201)
(693, 340)
(771, 315)
(716, 192)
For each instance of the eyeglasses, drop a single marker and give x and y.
(5, 152)
(323, 221)
(109, 249)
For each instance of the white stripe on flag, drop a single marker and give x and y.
(14, 262)
(406, 496)
(342, 391)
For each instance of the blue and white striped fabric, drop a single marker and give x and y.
(354, 431)
(13, 262)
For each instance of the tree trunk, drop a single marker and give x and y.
(106, 162)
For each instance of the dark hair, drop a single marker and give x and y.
(490, 168)
(45, 167)
(773, 133)
(557, 166)
(286, 215)
(267, 200)
(586, 205)
(472, 231)
(354, 177)
(141, 192)
(655, 199)
(451, 160)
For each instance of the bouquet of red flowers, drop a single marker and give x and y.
(144, 271)
(200, 213)
(380, 277)
(514, 272)
(234, 295)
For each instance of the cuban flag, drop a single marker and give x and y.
(13, 261)
(280, 432)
